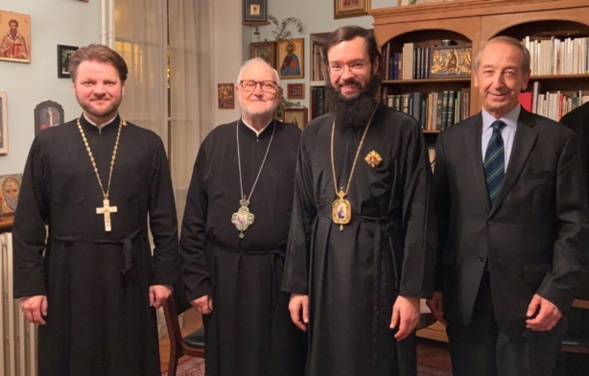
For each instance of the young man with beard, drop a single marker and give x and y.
(91, 281)
(234, 235)
(362, 238)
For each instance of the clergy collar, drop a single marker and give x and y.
(101, 126)
(258, 133)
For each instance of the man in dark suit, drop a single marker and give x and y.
(512, 220)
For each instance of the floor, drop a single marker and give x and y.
(430, 353)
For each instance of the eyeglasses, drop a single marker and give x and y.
(355, 67)
(266, 86)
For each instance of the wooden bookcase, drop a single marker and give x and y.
(474, 22)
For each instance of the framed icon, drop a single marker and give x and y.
(254, 11)
(15, 29)
(295, 91)
(296, 116)
(48, 114)
(265, 50)
(290, 58)
(450, 61)
(64, 53)
(226, 96)
(350, 8)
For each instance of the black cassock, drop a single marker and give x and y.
(352, 276)
(249, 331)
(99, 321)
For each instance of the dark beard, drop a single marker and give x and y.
(356, 111)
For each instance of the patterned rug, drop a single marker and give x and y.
(196, 367)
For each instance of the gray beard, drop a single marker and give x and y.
(11, 202)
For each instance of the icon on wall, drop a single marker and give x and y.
(15, 29)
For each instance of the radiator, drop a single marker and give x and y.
(18, 348)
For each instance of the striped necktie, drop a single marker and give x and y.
(495, 162)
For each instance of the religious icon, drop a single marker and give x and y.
(450, 61)
(290, 58)
(48, 114)
(225, 94)
(254, 11)
(9, 190)
(64, 54)
(15, 31)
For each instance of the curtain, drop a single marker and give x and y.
(140, 37)
(191, 107)
(168, 48)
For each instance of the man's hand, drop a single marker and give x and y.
(405, 316)
(204, 304)
(542, 314)
(299, 306)
(436, 305)
(34, 308)
(158, 294)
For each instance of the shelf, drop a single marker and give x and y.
(317, 83)
(419, 81)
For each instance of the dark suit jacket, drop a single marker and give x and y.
(578, 121)
(533, 240)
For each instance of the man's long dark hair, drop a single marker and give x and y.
(347, 33)
(356, 111)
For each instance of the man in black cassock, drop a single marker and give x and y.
(361, 246)
(234, 235)
(93, 183)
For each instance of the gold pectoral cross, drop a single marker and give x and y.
(105, 210)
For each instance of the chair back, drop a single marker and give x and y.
(175, 305)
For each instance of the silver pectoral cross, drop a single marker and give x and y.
(105, 210)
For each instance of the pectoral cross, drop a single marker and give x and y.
(105, 210)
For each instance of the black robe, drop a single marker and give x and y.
(352, 276)
(99, 321)
(249, 331)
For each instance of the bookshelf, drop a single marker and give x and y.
(318, 74)
(473, 23)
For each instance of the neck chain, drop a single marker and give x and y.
(106, 209)
(242, 219)
(341, 208)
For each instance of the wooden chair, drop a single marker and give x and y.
(191, 345)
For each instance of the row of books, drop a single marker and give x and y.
(318, 102)
(553, 105)
(417, 62)
(319, 69)
(554, 56)
(435, 110)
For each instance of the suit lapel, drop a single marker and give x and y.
(472, 141)
(523, 144)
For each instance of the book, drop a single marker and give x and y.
(525, 99)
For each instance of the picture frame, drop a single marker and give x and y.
(48, 114)
(63, 59)
(3, 124)
(9, 191)
(265, 50)
(15, 34)
(350, 8)
(226, 96)
(290, 58)
(295, 91)
(450, 61)
(297, 116)
(402, 3)
(255, 11)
